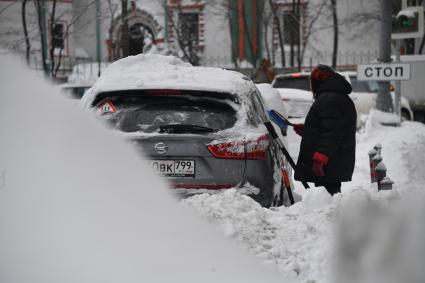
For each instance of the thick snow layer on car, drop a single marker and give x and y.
(154, 71)
(77, 204)
(356, 236)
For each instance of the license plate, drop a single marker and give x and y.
(174, 168)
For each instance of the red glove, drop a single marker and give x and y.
(319, 160)
(299, 129)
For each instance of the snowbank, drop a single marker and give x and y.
(402, 152)
(377, 117)
(78, 205)
(361, 235)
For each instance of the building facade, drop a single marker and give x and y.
(225, 33)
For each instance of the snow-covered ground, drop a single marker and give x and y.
(77, 205)
(302, 240)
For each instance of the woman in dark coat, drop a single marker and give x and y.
(328, 145)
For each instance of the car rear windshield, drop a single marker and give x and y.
(363, 86)
(167, 113)
(302, 82)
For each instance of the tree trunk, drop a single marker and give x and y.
(292, 34)
(384, 100)
(298, 14)
(52, 46)
(124, 29)
(24, 25)
(421, 47)
(266, 41)
(40, 18)
(279, 31)
(336, 31)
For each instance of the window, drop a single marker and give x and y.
(58, 35)
(302, 82)
(189, 33)
(148, 113)
(291, 28)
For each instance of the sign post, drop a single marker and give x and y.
(397, 96)
(384, 72)
(396, 72)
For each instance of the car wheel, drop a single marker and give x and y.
(405, 116)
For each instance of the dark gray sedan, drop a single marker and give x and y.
(199, 136)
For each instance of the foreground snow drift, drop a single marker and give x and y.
(360, 235)
(78, 205)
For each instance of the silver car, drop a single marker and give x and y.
(200, 139)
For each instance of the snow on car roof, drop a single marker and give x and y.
(153, 71)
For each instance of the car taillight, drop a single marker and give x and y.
(162, 91)
(248, 149)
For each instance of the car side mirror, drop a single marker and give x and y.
(279, 119)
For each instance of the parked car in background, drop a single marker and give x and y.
(201, 128)
(295, 88)
(365, 93)
(75, 90)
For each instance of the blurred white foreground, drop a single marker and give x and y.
(78, 205)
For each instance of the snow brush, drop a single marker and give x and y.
(279, 120)
(285, 152)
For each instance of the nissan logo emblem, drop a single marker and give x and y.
(160, 148)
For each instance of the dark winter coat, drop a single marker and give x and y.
(330, 128)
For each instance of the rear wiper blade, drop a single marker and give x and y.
(184, 128)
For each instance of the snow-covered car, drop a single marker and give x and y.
(273, 101)
(201, 128)
(75, 90)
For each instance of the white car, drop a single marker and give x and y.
(75, 90)
(295, 91)
(365, 93)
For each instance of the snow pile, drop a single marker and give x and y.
(77, 204)
(377, 117)
(295, 239)
(356, 236)
(154, 71)
(402, 153)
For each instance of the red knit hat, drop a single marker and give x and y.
(321, 72)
